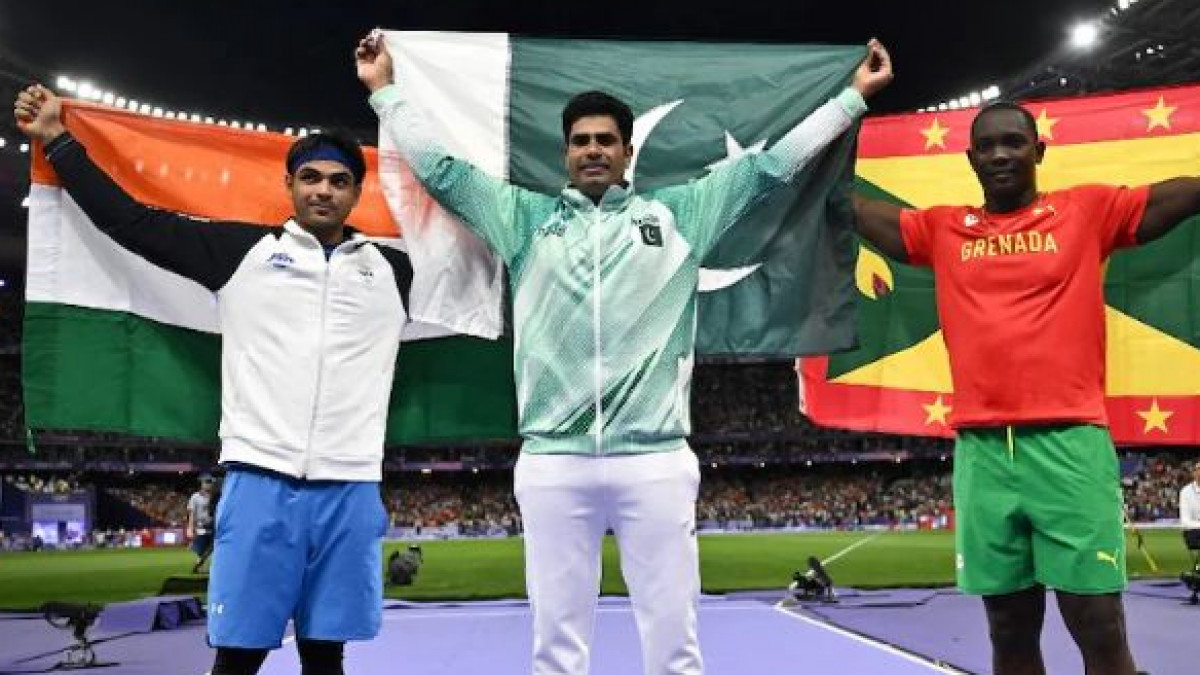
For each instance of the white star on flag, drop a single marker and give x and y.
(734, 150)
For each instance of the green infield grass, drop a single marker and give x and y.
(492, 568)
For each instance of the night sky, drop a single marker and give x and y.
(289, 63)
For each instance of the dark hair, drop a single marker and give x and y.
(340, 141)
(1006, 104)
(592, 103)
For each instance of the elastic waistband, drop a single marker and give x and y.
(587, 445)
(280, 476)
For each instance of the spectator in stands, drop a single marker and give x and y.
(200, 522)
(1189, 510)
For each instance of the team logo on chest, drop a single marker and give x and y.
(650, 230)
(556, 225)
(281, 260)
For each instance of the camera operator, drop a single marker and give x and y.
(403, 567)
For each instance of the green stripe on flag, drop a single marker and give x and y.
(1159, 284)
(898, 319)
(453, 389)
(112, 371)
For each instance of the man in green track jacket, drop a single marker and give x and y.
(604, 283)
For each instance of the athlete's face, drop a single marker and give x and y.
(323, 194)
(1005, 153)
(1196, 474)
(596, 154)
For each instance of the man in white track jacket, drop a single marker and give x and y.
(310, 314)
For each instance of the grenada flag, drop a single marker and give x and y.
(898, 379)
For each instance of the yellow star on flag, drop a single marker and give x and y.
(1155, 418)
(935, 135)
(1159, 115)
(1045, 125)
(936, 411)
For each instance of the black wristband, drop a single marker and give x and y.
(57, 143)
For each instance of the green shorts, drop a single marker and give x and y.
(1038, 505)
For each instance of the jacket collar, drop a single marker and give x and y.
(616, 198)
(352, 238)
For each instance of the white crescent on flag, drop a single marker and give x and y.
(711, 279)
(716, 279)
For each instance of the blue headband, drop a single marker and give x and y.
(320, 151)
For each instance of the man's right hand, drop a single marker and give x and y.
(39, 113)
(372, 62)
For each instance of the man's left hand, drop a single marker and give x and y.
(875, 72)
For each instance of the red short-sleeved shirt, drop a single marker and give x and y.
(1021, 301)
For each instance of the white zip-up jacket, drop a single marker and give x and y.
(309, 345)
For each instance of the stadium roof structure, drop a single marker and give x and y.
(1141, 44)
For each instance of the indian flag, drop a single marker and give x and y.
(898, 380)
(113, 343)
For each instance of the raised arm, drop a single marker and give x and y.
(206, 252)
(879, 223)
(488, 206)
(707, 207)
(1171, 202)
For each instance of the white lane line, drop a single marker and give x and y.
(424, 615)
(883, 646)
(851, 547)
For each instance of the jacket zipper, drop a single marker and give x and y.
(312, 422)
(598, 366)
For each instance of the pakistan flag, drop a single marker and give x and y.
(781, 281)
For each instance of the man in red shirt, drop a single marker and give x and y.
(1020, 300)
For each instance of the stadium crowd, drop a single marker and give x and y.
(164, 504)
(839, 499)
(474, 504)
(745, 397)
(833, 495)
(47, 484)
(1152, 485)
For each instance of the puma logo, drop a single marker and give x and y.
(1111, 558)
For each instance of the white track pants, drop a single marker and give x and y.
(649, 500)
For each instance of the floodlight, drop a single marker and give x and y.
(1085, 35)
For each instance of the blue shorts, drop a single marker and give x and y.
(292, 549)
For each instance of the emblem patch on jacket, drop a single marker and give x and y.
(651, 232)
